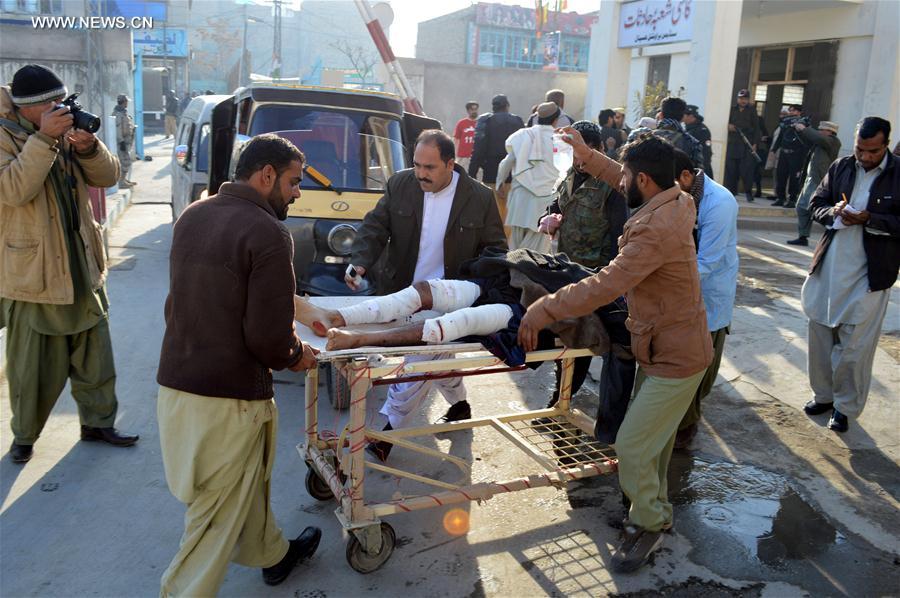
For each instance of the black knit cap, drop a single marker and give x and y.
(33, 84)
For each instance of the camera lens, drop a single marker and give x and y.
(87, 121)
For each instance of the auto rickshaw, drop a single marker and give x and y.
(354, 140)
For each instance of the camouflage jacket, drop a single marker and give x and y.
(593, 218)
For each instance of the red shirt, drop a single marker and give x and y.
(465, 132)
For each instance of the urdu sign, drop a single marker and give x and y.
(650, 22)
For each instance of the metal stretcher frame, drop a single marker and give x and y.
(559, 440)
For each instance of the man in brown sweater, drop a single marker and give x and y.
(656, 269)
(229, 323)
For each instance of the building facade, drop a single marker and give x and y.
(838, 58)
(500, 36)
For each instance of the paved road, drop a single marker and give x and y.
(768, 502)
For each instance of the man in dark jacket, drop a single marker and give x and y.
(172, 112)
(491, 131)
(739, 162)
(693, 124)
(430, 220)
(855, 264)
(670, 128)
(791, 157)
(826, 146)
(229, 323)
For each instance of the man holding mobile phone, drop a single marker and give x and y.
(431, 218)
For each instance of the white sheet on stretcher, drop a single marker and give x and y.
(318, 342)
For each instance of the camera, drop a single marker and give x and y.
(790, 121)
(82, 118)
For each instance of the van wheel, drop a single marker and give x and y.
(338, 389)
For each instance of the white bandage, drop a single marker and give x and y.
(391, 307)
(469, 321)
(451, 295)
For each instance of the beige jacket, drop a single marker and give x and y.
(34, 258)
(656, 269)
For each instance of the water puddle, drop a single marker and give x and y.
(757, 508)
(747, 523)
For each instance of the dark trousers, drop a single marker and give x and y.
(788, 173)
(737, 168)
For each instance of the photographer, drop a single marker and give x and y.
(791, 159)
(52, 297)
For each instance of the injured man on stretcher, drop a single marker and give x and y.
(487, 307)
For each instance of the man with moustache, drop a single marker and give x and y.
(656, 269)
(430, 219)
(229, 323)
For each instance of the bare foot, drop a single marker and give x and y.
(343, 339)
(318, 319)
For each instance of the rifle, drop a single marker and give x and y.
(749, 146)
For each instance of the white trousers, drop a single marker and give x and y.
(405, 397)
(839, 362)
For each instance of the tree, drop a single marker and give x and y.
(362, 59)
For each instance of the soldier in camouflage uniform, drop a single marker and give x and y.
(124, 140)
(587, 217)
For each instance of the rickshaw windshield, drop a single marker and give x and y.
(357, 151)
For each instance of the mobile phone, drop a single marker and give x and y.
(351, 271)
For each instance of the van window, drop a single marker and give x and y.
(356, 150)
(203, 149)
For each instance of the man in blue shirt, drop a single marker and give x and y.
(715, 236)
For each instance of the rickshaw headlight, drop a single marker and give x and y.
(340, 239)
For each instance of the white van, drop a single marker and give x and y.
(190, 157)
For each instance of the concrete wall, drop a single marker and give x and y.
(851, 20)
(445, 88)
(850, 88)
(444, 39)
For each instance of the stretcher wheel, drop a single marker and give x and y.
(316, 486)
(364, 562)
(338, 389)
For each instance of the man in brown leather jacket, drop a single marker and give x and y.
(656, 269)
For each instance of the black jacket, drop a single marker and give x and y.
(230, 309)
(746, 121)
(881, 236)
(491, 131)
(701, 133)
(394, 226)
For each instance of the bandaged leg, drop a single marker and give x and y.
(383, 309)
(450, 295)
(446, 296)
(469, 321)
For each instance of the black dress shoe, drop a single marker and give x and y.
(302, 547)
(801, 241)
(791, 204)
(778, 204)
(838, 422)
(813, 408)
(457, 412)
(684, 437)
(107, 435)
(20, 453)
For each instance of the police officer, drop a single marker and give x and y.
(791, 159)
(743, 135)
(124, 140)
(693, 124)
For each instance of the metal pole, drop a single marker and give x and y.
(276, 41)
(241, 78)
(139, 103)
(410, 102)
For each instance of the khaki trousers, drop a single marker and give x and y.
(171, 125)
(709, 379)
(644, 445)
(218, 455)
(38, 366)
(839, 361)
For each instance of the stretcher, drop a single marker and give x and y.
(559, 440)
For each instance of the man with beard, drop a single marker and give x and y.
(431, 219)
(229, 323)
(656, 269)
